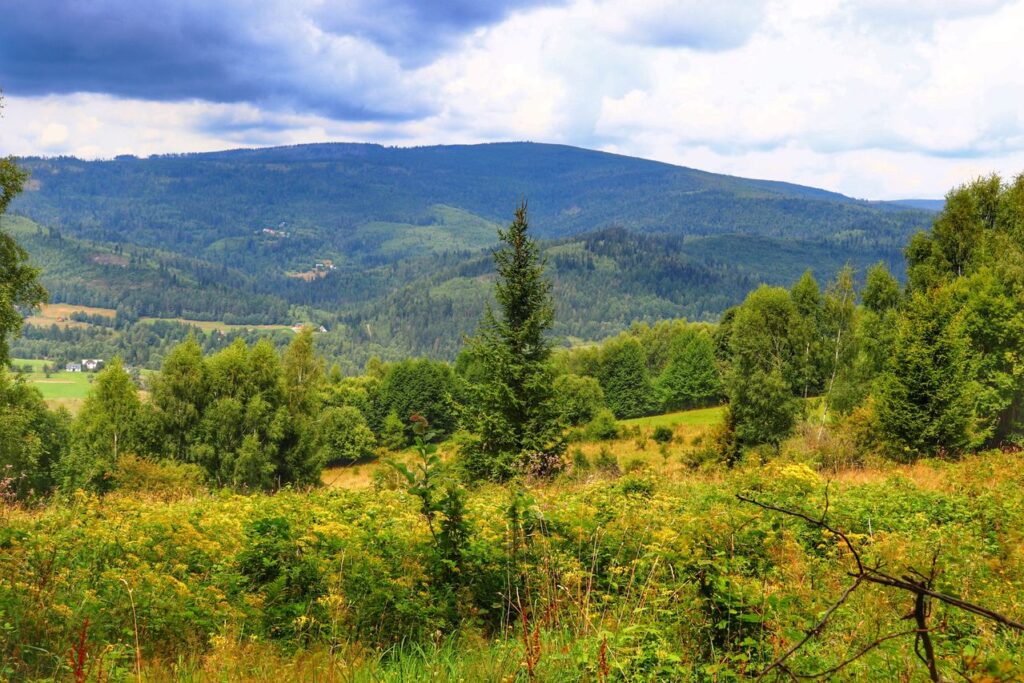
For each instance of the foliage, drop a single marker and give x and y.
(392, 432)
(109, 426)
(691, 378)
(927, 395)
(32, 439)
(417, 386)
(625, 380)
(344, 436)
(662, 434)
(276, 566)
(514, 417)
(580, 398)
(345, 575)
(764, 350)
(604, 426)
(19, 280)
(166, 478)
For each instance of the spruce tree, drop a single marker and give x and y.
(513, 417)
(927, 395)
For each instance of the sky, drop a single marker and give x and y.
(878, 99)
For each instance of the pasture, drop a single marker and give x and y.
(60, 315)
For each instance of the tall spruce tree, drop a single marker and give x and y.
(927, 395)
(513, 417)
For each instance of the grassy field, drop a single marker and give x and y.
(67, 389)
(701, 416)
(689, 429)
(211, 325)
(661, 574)
(59, 315)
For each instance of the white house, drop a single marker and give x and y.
(73, 367)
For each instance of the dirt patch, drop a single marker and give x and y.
(110, 260)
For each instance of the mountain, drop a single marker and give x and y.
(368, 204)
(388, 247)
(925, 204)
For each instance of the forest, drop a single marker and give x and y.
(849, 504)
(234, 238)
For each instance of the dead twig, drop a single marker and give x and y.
(916, 583)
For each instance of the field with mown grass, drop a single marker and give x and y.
(59, 389)
(633, 566)
(214, 325)
(67, 389)
(60, 315)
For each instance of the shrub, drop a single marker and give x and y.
(636, 485)
(392, 433)
(276, 567)
(580, 462)
(579, 398)
(163, 478)
(635, 465)
(606, 462)
(344, 436)
(603, 427)
(662, 434)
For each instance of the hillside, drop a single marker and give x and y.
(367, 203)
(386, 247)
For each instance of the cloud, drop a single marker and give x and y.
(696, 24)
(869, 97)
(917, 14)
(416, 31)
(344, 59)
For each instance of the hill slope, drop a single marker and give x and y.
(387, 247)
(371, 204)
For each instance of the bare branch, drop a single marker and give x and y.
(920, 588)
(863, 651)
(813, 632)
(820, 523)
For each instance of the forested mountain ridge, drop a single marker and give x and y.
(368, 203)
(387, 247)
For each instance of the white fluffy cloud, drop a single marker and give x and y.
(873, 98)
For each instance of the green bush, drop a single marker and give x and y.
(344, 436)
(636, 485)
(606, 462)
(663, 434)
(580, 462)
(603, 427)
(166, 478)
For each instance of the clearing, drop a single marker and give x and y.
(60, 315)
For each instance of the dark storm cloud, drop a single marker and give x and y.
(345, 59)
(416, 31)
